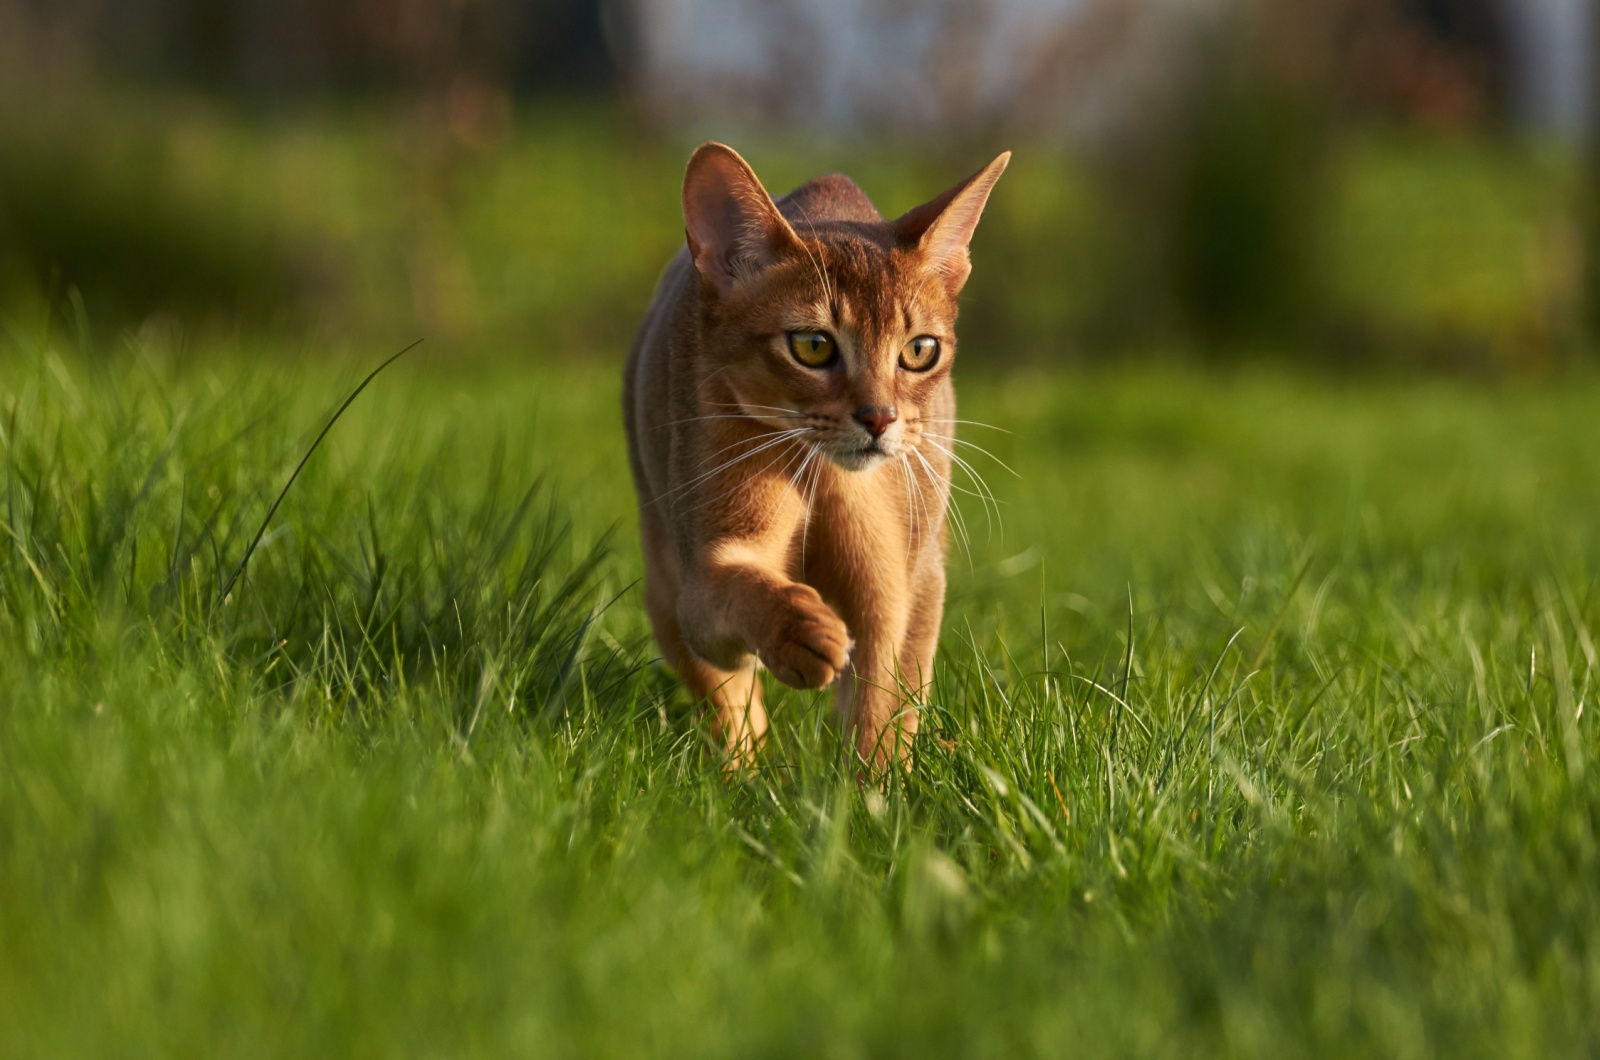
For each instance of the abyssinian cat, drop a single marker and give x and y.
(790, 424)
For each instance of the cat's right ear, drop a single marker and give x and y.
(734, 229)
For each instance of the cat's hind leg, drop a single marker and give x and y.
(919, 646)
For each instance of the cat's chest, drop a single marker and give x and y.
(883, 512)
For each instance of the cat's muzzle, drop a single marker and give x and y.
(861, 457)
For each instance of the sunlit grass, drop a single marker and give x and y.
(1260, 727)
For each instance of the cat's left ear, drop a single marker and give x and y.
(942, 227)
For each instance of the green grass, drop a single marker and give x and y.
(1263, 728)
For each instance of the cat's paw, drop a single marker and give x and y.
(807, 644)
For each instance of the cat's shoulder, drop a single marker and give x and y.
(833, 197)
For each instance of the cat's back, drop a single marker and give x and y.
(833, 197)
(647, 379)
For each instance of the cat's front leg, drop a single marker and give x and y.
(880, 689)
(739, 603)
(878, 699)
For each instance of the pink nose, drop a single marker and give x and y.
(875, 418)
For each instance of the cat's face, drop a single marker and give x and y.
(841, 331)
(850, 343)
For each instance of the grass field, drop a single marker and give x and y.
(1263, 727)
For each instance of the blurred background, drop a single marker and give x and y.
(1382, 184)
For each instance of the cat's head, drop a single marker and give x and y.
(831, 322)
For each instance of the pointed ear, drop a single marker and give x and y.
(942, 227)
(734, 228)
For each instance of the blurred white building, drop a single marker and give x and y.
(1553, 43)
(1084, 65)
(903, 63)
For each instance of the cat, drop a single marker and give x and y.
(790, 422)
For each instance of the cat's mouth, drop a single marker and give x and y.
(860, 456)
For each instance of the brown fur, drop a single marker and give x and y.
(819, 557)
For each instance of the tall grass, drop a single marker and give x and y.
(1259, 727)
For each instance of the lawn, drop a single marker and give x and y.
(1262, 727)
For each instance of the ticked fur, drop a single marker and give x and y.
(791, 514)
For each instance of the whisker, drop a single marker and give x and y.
(786, 433)
(794, 476)
(970, 445)
(748, 501)
(970, 423)
(957, 520)
(911, 511)
(922, 500)
(986, 494)
(816, 259)
(978, 480)
(924, 515)
(704, 382)
(738, 405)
(798, 473)
(719, 416)
(782, 436)
(811, 502)
(933, 512)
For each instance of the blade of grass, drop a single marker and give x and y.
(248, 552)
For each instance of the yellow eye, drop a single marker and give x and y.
(814, 349)
(920, 354)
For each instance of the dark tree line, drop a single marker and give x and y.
(268, 49)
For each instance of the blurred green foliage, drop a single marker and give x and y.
(1249, 175)
(1457, 251)
(1265, 238)
(141, 212)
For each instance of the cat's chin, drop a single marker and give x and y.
(863, 459)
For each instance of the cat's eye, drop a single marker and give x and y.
(920, 354)
(814, 349)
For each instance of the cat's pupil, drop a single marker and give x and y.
(920, 354)
(814, 349)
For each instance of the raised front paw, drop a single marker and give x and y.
(806, 643)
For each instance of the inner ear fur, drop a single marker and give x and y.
(942, 227)
(733, 227)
